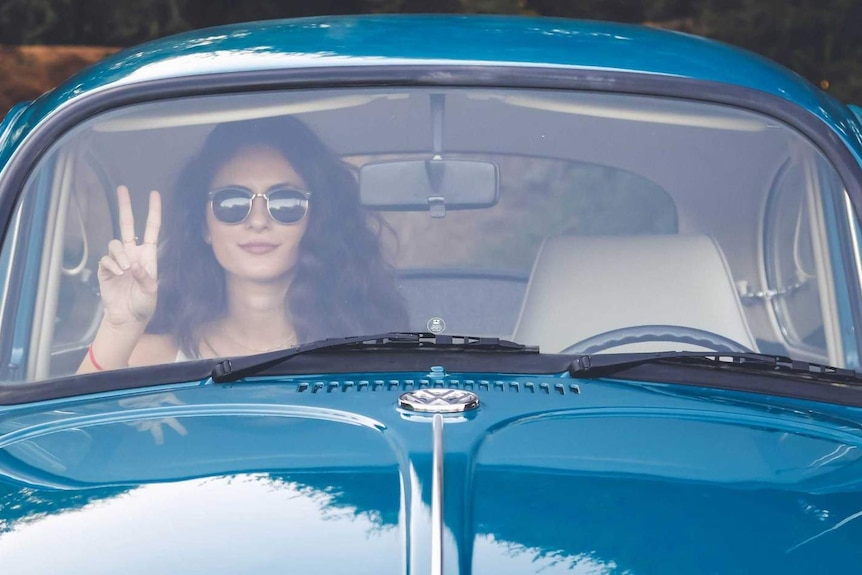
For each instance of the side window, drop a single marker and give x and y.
(791, 271)
(460, 269)
(538, 198)
(86, 230)
(855, 291)
(49, 262)
(805, 280)
(21, 272)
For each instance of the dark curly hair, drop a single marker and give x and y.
(341, 284)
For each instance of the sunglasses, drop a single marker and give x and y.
(285, 204)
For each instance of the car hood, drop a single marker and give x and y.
(313, 475)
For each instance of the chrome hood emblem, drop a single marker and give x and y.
(438, 400)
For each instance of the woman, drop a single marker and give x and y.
(266, 246)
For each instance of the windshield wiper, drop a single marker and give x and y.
(229, 370)
(602, 365)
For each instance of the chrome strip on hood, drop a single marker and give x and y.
(437, 498)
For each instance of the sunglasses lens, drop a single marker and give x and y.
(231, 205)
(287, 206)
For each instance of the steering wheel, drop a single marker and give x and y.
(645, 333)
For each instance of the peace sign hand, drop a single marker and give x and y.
(128, 274)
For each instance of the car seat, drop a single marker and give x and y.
(582, 286)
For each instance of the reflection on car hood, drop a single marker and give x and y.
(329, 476)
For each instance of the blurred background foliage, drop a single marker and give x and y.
(819, 39)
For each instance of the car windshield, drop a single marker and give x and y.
(579, 222)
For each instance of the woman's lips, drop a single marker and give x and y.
(258, 248)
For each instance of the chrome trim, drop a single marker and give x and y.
(437, 498)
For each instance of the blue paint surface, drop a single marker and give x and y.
(617, 477)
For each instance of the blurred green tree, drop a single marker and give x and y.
(94, 22)
(818, 39)
(26, 21)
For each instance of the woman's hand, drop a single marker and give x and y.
(128, 274)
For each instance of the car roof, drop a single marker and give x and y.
(374, 40)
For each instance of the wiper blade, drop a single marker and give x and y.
(229, 370)
(602, 365)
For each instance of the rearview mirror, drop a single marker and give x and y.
(429, 185)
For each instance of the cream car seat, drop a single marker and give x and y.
(582, 286)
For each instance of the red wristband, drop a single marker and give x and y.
(93, 359)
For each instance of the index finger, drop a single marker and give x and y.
(154, 219)
(127, 219)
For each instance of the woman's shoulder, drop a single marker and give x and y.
(153, 349)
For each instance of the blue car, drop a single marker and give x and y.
(427, 295)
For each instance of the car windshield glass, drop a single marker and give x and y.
(230, 225)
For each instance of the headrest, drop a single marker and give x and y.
(585, 285)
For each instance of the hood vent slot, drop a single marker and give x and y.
(404, 385)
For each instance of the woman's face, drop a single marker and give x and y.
(258, 248)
